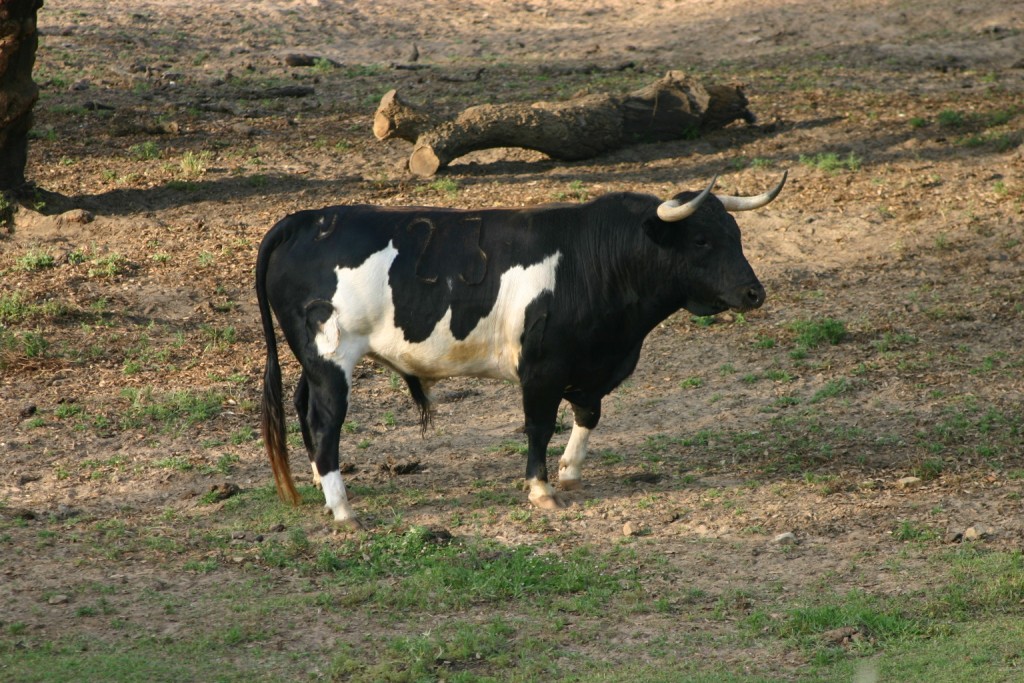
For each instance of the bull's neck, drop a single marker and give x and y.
(633, 287)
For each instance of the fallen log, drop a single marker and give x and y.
(671, 108)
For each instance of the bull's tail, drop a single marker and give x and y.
(272, 420)
(422, 398)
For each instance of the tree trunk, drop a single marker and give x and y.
(18, 92)
(671, 108)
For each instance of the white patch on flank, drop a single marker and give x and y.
(334, 494)
(364, 322)
(575, 453)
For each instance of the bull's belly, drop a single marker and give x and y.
(363, 323)
(441, 356)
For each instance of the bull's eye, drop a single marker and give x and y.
(700, 242)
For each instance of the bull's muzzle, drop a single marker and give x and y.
(751, 296)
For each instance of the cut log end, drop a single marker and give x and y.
(396, 119)
(383, 124)
(424, 162)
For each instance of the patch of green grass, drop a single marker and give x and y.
(171, 410)
(27, 344)
(175, 462)
(830, 162)
(908, 530)
(877, 619)
(928, 469)
(950, 118)
(577, 192)
(892, 341)
(814, 333)
(419, 570)
(446, 186)
(778, 375)
(36, 260)
(109, 266)
(66, 410)
(833, 388)
(145, 151)
(219, 338)
(194, 164)
(15, 309)
(444, 654)
(510, 447)
(244, 435)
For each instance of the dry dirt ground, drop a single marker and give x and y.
(903, 220)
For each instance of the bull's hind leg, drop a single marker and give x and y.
(302, 408)
(326, 408)
(585, 419)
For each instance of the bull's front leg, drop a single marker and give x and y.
(541, 409)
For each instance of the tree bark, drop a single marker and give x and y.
(583, 127)
(18, 92)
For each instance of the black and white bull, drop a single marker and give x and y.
(557, 299)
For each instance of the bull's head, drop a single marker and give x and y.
(719, 276)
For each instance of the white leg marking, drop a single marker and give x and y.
(334, 494)
(316, 474)
(575, 453)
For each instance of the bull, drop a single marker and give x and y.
(557, 299)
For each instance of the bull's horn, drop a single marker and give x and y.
(672, 211)
(747, 203)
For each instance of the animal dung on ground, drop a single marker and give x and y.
(393, 468)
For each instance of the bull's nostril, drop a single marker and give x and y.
(755, 295)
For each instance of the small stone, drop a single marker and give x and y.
(78, 216)
(840, 635)
(277, 528)
(245, 129)
(630, 529)
(669, 517)
(976, 533)
(238, 535)
(785, 538)
(66, 512)
(908, 482)
(58, 600)
(953, 537)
